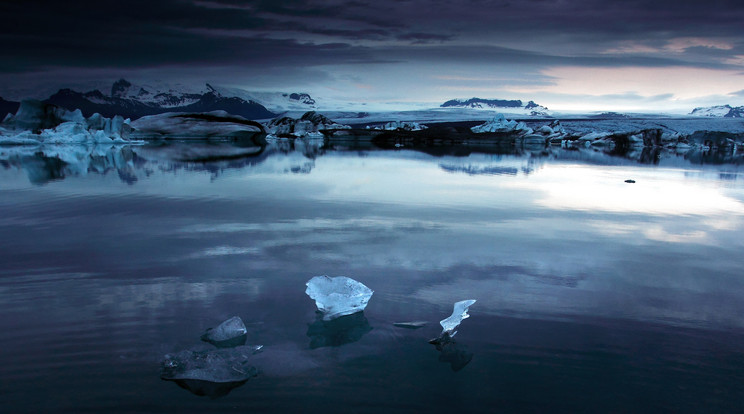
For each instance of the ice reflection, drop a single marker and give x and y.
(339, 331)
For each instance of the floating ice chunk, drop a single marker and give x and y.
(338, 296)
(228, 334)
(411, 325)
(459, 313)
(219, 365)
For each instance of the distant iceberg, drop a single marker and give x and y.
(310, 125)
(402, 126)
(459, 313)
(338, 296)
(501, 124)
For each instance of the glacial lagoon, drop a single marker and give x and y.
(593, 294)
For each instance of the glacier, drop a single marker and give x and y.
(229, 333)
(338, 296)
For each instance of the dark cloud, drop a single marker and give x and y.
(271, 34)
(738, 93)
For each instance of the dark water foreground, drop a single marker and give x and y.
(594, 295)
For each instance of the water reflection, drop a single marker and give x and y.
(213, 390)
(339, 331)
(133, 162)
(451, 352)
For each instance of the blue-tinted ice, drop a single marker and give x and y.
(459, 313)
(230, 333)
(338, 296)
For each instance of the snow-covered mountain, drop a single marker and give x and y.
(511, 106)
(274, 101)
(719, 111)
(132, 101)
(7, 107)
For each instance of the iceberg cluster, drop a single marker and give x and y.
(402, 126)
(338, 296)
(38, 123)
(459, 313)
(501, 124)
(309, 125)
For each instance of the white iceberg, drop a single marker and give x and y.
(402, 126)
(459, 313)
(219, 365)
(501, 124)
(338, 296)
(229, 333)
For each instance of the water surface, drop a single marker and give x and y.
(594, 295)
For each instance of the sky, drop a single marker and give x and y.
(661, 55)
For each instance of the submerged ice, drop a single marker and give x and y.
(219, 365)
(459, 313)
(338, 296)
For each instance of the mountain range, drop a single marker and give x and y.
(135, 101)
(725, 111)
(479, 103)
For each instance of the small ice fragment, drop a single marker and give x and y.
(411, 325)
(459, 313)
(230, 333)
(219, 365)
(338, 296)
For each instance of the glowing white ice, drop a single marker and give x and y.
(338, 296)
(458, 314)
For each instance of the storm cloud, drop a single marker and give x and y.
(358, 39)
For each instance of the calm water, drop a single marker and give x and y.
(594, 295)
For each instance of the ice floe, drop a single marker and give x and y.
(229, 333)
(459, 313)
(338, 296)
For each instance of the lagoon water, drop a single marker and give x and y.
(593, 294)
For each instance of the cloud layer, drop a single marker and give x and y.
(334, 46)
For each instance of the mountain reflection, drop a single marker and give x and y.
(133, 162)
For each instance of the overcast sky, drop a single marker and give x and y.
(565, 54)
